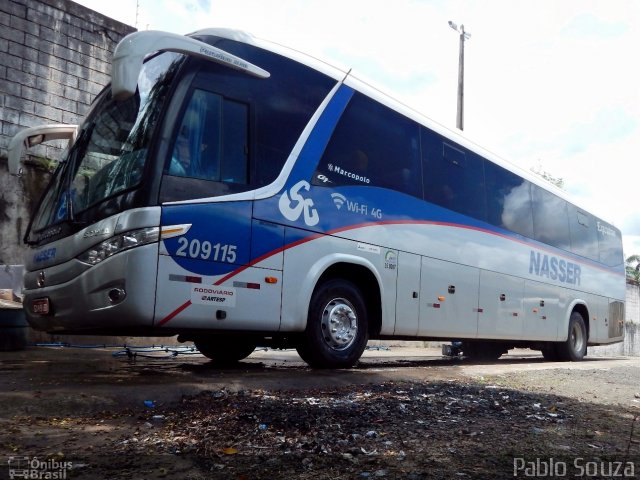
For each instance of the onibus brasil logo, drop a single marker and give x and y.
(293, 204)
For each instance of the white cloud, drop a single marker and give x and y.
(546, 82)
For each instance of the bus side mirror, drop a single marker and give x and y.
(30, 137)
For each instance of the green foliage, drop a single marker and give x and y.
(632, 265)
(42, 163)
(557, 181)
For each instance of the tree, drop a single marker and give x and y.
(632, 264)
(557, 181)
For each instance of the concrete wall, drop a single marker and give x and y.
(631, 344)
(632, 307)
(54, 59)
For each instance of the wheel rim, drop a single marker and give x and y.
(339, 324)
(577, 338)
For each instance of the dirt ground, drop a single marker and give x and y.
(401, 413)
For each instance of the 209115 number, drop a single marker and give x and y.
(204, 250)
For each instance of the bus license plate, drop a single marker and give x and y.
(40, 306)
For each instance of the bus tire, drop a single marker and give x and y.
(225, 349)
(575, 347)
(337, 326)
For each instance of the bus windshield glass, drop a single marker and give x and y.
(109, 155)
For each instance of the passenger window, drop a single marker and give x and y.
(372, 145)
(584, 236)
(508, 200)
(609, 243)
(550, 218)
(453, 177)
(212, 141)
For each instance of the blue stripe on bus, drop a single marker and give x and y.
(317, 142)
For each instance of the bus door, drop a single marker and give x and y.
(218, 267)
(448, 299)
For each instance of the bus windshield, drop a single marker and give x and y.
(109, 155)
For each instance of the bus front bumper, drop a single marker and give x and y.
(116, 295)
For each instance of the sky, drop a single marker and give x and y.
(548, 85)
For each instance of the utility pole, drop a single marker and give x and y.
(463, 36)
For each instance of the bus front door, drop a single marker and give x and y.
(215, 271)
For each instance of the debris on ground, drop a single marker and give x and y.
(393, 430)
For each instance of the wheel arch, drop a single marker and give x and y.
(579, 306)
(357, 270)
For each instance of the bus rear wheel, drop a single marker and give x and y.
(225, 349)
(575, 347)
(337, 326)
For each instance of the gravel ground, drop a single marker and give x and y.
(483, 422)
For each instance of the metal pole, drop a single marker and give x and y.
(460, 111)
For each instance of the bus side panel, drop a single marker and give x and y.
(267, 244)
(407, 298)
(309, 256)
(545, 308)
(597, 322)
(502, 314)
(448, 299)
(244, 302)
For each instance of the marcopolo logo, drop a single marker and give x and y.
(293, 204)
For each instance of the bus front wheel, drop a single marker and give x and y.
(337, 326)
(225, 349)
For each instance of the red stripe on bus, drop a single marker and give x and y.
(315, 236)
(174, 313)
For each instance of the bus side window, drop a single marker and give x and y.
(453, 176)
(508, 200)
(609, 244)
(211, 142)
(374, 146)
(550, 218)
(584, 236)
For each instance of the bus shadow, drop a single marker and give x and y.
(368, 364)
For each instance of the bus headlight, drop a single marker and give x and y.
(119, 243)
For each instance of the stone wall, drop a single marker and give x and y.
(55, 57)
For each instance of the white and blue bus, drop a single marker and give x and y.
(240, 194)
